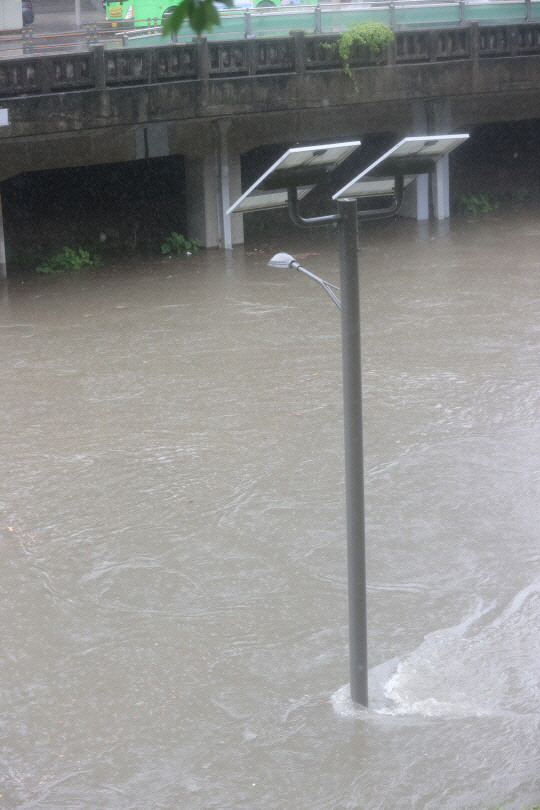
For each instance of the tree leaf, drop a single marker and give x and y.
(202, 15)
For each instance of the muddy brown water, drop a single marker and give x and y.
(173, 579)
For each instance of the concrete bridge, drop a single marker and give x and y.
(214, 101)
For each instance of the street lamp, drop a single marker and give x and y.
(285, 183)
(285, 261)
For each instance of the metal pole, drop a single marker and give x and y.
(354, 456)
(3, 265)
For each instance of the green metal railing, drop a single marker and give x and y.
(329, 18)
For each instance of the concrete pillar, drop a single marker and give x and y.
(441, 189)
(442, 125)
(201, 200)
(235, 191)
(416, 195)
(229, 187)
(223, 182)
(4, 122)
(3, 266)
(213, 183)
(433, 120)
(422, 197)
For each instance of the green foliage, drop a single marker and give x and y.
(477, 204)
(68, 260)
(370, 38)
(178, 244)
(202, 15)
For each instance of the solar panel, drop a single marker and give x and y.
(374, 186)
(300, 167)
(410, 157)
(260, 199)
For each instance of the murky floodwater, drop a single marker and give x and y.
(173, 577)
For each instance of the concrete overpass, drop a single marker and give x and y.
(214, 101)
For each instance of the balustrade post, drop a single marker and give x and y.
(251, 56)
(299, 52)
(98, 54)
(44, 72)
(433, 45)
(391, 53)
(474, 41)
(203, 58)
(512, 40)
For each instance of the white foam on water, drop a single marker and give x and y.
(488, 664)
(344, 705)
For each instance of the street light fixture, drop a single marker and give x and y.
(285, 261)
(287, 181)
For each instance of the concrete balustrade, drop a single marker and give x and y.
(273, 55)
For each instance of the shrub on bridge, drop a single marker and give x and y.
(363, 39)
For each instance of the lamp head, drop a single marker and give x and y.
(283, 261)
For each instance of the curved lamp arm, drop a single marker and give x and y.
(285, 261)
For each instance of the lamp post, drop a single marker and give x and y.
(354, 452)
(284, 184)
(347, 221)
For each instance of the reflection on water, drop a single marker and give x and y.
(171, 523)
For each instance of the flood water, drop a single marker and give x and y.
(173, 578)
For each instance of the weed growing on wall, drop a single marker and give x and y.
(367, 38)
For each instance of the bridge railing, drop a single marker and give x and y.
(323, 18)
(297, 53)
(328, 18)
